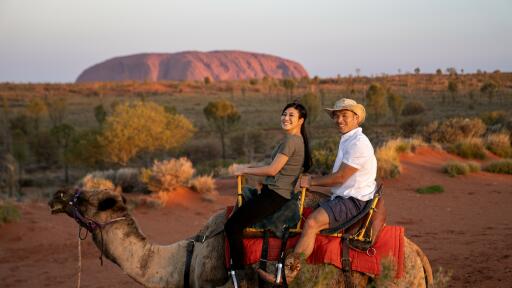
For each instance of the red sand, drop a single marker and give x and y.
(466, 229)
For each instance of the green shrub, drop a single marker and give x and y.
(411, 126)
(472, 148)
(499, 144)
(413, 108)
(474, 167)
(9, 213)
(453, 130)
(323, 155)
(454, 168)
(501, 166)
(494, 117)
(430, 189)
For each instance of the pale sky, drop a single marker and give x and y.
(54, 40)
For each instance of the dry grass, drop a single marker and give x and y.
(388, 155)
(203, 184)
(499, 144)
(167, 175)
(471, 148)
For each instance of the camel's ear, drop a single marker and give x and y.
(107, 203)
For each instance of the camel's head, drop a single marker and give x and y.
(93, 198)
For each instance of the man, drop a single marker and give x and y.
(352, 180)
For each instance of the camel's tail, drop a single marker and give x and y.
(427, 269)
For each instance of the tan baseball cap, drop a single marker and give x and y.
(348, 104)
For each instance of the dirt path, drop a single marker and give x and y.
(466, 230)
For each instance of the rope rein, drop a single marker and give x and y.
(89, 224)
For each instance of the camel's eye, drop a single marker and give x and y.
(61, 195)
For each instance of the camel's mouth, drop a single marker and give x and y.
(55, 208)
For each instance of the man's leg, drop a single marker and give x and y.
(316, 222)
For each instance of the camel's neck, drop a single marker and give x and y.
(149, 264)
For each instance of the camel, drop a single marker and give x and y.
(121, 241)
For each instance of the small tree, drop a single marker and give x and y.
(489, 88)
(453, 88)
(223, 115)
(395, 103)
(376, 102)
(289, 86)
(312, 103)
(100, 114)
(63, 134)
(57, 109)
(35, 109)
(142, 127)
(417, 70)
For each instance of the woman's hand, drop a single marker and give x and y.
(238, 169)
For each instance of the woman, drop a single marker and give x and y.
(289, 158)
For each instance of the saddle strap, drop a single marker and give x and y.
(264, 257)
(346, 265)
(188, 262)
(282, 255)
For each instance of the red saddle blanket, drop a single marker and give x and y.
(389, 244)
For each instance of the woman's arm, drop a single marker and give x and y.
(269, 170)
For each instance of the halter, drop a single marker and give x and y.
(89, 224)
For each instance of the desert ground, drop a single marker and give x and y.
(465, 230)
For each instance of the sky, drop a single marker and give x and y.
(55, 40)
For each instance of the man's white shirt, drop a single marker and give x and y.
(356, 150)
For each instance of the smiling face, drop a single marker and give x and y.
(345, 120)
(291, 121)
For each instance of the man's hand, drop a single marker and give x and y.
(305, 181)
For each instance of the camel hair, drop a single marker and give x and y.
(151, 265)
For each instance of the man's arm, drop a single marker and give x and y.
(334, 179)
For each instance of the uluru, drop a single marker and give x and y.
(192, 65)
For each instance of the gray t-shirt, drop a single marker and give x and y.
(284, 181)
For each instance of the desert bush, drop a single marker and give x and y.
(454, 129)
(203, 184)
(455, 168)
(500, 166)
(8, 213)
(432, 189)
(472, 148)
(247, 143)
(376, 102)
(168, 174)
(494, 118)
(323, 155)
(200, 151)
(499, 144)
(412, 108)
(411, 126)
(129, 179)
(388, 155)
(142, 127)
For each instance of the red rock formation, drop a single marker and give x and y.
(218, 65)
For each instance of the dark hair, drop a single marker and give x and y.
(303, 113)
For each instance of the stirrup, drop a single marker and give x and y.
(232, 274)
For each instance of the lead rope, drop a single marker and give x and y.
(79, 262)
